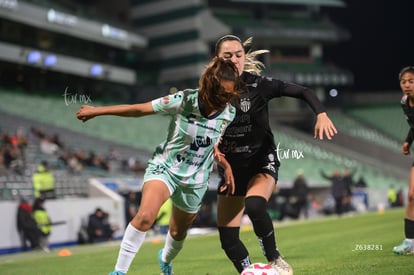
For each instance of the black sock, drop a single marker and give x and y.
(234, 247)
(262, 225)
(409, 228)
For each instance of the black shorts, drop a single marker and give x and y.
(266, 163)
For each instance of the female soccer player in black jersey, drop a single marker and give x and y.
(406, 77)
(249, 146)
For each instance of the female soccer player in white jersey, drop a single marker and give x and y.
(249, 147)
(181, 165)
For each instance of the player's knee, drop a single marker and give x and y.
(255, 207)
(177, 233)
(143, 221)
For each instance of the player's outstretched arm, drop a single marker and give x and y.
(324, 126)
(87, 112)
(219, 157)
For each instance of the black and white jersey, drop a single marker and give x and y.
(409, 116)
(250, 134)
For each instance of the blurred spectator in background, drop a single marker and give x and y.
(55, 139)
(338, 190)
(132, 164)
(74, 166)
(361, 183)
(299, 194)
(44, 182)
(21, 138)
(400, 197)
(360, 200)
(392, 196)
(347, 178)
(163, 218)
(12, 151)
(27, 226)
(43, 223)
(48, 147)
(99, 228)
(131, 206)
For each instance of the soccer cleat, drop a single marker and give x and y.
(166, 268)
(282, 266)
(405, 248)
(116, 273)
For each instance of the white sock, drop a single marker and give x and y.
(171, 248)
(131, 243)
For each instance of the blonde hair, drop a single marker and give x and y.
(251, 64)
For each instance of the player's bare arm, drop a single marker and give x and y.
(87, 112)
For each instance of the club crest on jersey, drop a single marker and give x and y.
(245, 104)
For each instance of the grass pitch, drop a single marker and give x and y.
(360, 244)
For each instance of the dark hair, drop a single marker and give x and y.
(212, 93)
(404, 70)
(228, 37)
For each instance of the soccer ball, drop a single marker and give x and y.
(259, 269)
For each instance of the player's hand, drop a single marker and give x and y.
(229, 184)
(406, 148)
(324, 126)
(85, 113)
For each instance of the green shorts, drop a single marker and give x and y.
(185, 197)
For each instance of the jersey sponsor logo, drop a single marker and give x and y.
(243, 118)
(200, 141)
(231, 147)
(158, 170)
(242, 149)
(245, 104)
(192, 119)
(238, 131)
(181, 159)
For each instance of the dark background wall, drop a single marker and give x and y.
(382, 41)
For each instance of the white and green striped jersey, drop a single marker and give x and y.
(187, 153)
